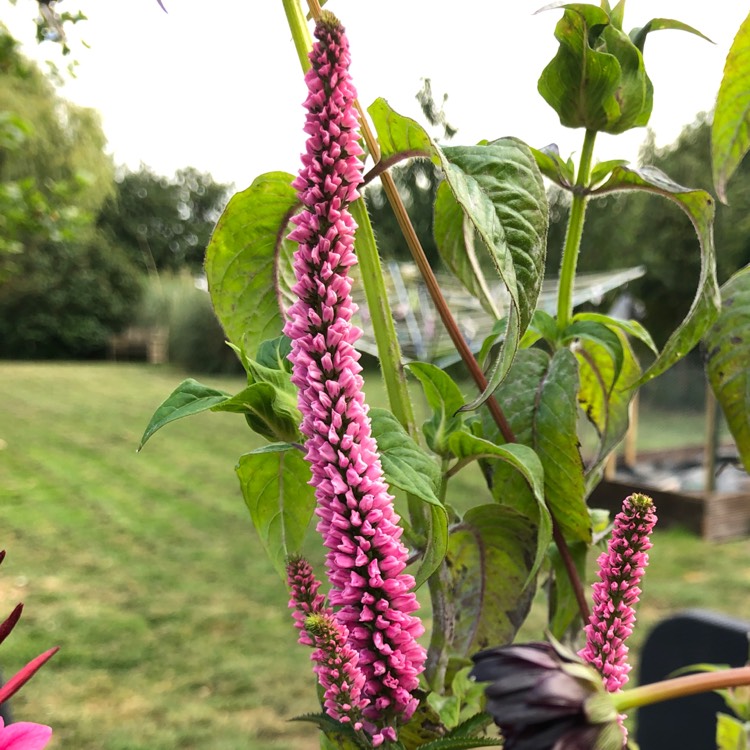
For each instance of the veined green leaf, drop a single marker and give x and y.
(190, 397)
(405, 464)
(562, 602)
(445, 399)
(599, 333)
(539, 402)
(408, 467)
(631, 327)
(270, 411)
(553, 167)
(604, 395)
(462, 743)
(730, 133)
(580, 82)
(468, 447)
(727, 345)
(274, 483)
(248, 260)
(487, 609)
(455, 238)
(500, 191)
(699, 206)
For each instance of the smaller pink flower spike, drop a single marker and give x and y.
(338, 671)
(24, 735)
(15, 683)
(304, 597)
(621, 569)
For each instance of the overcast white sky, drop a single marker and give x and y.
(217, 84)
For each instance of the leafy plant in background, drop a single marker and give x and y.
(480, 558)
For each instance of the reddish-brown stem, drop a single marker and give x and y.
(415, 247)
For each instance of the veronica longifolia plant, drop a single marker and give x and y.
(279, 272)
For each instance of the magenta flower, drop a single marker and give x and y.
(366, 558)
(621, 568)
(24, 735)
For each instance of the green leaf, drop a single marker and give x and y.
(727, 346)
(552, 165)
(631, 327)
(409, 468)
(455, 239)
(472, 726)
(274, 354)
(445, 399)
(604, 396)
(603, 169)
(657, 24)
(730, 133)
(190, 397)
(467, 447)
(462, 743)
(399, 134)
(699, 206)
(599, 333)
(486, 609)
(500, 190)
(562, 602)
(270, 411)
(731, 733)
(339, 736)
(580, 82)
(597, 79)
(248, 260)
(539, 402)
(274, 482)
(542, 326)
(405, 464)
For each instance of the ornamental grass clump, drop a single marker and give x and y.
(370, 592)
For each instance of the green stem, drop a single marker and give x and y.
(300, 32)
(680, 687)
(381, 318)
(574, 234)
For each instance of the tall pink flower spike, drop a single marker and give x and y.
(366, 558)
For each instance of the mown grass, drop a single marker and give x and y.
(146, 570)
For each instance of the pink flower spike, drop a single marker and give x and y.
(24, 735)
(621, 569)
(15, 683)
(366, 559)
(305, 599)
(338, 670)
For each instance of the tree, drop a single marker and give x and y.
(63, 288)
(161, 223)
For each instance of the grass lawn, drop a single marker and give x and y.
(146, 570)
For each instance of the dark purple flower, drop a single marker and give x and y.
(543, 697)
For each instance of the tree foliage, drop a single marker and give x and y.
(63, 288)
(162, 223)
